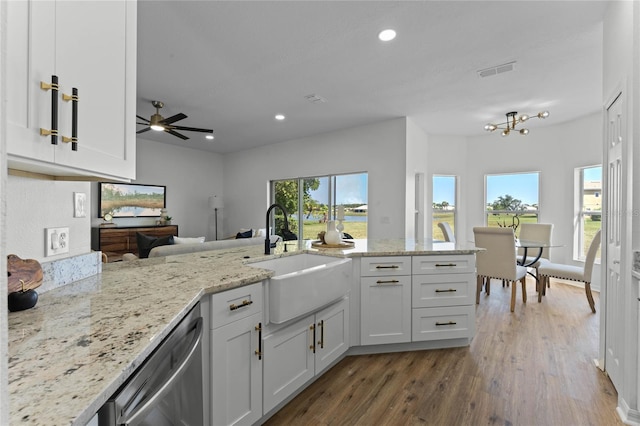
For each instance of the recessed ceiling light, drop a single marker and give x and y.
(280, 117)
(209, 136)
(387, 35)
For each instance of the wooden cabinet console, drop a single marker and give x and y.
(116, 241)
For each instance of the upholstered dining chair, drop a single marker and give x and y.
(535, 232)
(574, 273)
(447, 232)
(498, 261)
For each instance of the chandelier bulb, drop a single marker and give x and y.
(505, 132)
(489, 127)
(543, 114)
(523, 118)
(524, 131)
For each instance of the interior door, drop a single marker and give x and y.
(614, 340)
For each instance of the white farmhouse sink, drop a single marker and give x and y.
(303, 283)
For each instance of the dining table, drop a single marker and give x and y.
(536, 247)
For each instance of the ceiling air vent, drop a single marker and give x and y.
(498, 69)
(313, 98)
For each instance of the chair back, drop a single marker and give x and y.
(591, 256)
(447, 232)
(536, 232)
(498, 260)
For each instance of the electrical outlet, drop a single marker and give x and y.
(56, 241)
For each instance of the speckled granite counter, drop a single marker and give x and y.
(82, 341)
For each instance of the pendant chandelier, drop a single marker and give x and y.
(512, 121)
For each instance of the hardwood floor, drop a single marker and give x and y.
(531, 367)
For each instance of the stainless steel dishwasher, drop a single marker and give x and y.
(167, 388)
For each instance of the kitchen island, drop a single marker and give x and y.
(82, 341)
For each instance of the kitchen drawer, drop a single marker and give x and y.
(443, 323)
(444, 264)
(385, 266)
(443, 290)
(235, 304)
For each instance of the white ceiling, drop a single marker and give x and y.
(232, 65)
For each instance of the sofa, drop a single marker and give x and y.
(173, 249)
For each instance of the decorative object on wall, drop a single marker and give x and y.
(161, 124)
(79, 204)
(512, 121)
(215, 203)
(131, 199)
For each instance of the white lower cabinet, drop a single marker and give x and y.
(295, 353)
(236, 356)
(385, 300)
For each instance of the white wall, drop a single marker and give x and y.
(416, 166)
(190, 176)
(378, 149)
(33, 205)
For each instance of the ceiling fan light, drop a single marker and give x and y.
(210, 137)
(157, 127)
(524, 132)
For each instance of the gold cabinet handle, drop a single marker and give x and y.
(382, 282)
(446, 291)
(441, 265)
(244, 303)
(259, 350)
(446, 323)
(312, 346)
(321, 341)
(74, 118)
(53, 86)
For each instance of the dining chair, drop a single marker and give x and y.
(574, 273)
(447, 232)
(498, 261)
(535, 232)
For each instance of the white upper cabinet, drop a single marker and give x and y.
(90, 46)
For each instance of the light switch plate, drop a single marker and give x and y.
(56, 241)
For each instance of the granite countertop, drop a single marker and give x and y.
(82, 341)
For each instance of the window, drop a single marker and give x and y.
(312, 201)
(512, 199)
(444, 204)
(589, 208)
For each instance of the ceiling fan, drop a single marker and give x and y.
(161, 124)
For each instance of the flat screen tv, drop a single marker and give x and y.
(131, 199)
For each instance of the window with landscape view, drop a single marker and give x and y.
(511, 199)
(312, 201)
(444, 204)
(589, 209)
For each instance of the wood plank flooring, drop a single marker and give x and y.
(531, 367)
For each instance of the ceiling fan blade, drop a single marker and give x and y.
(192, 129)
(171, 132)
(144, 130)
(143, 119)
(174, 118)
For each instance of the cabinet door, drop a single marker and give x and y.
(385, 310)
(332, 334)
(288, 361)
(236, 373)
(31, 53)
(93, 40)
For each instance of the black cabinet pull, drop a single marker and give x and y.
(259, 330)
(74, 118)
(53, 86)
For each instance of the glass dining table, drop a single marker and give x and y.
(527, 261)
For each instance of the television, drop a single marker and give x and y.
(131, 199)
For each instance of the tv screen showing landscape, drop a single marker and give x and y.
(131, 200)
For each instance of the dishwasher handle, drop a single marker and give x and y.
(138, 415)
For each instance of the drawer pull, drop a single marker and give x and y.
(244, 303)
(387, 267)
(440, 265)
(54, 87)
(446, 323)
(321, 341)
(446, 291)
(259, 330)
(312, 346)
(387, 282)
(74, 118)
